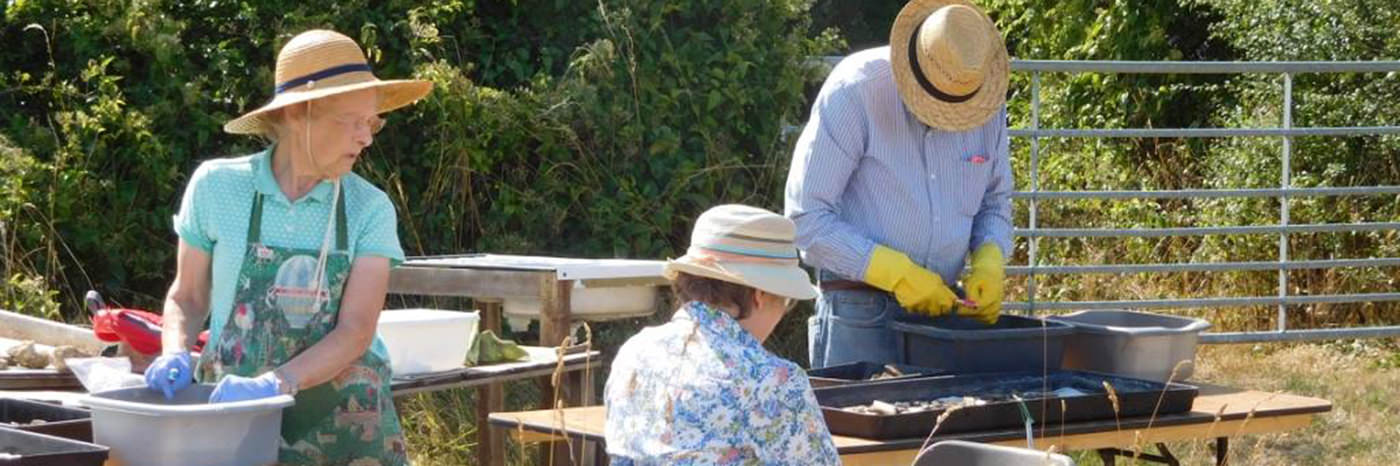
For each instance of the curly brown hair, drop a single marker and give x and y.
(717, 293)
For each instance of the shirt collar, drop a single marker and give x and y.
(716, 321)
(266, 183)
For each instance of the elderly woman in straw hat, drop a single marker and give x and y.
(701, 389)
(288, 251)
(901, 171)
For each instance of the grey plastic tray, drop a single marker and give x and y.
(20, 448)
(1134, 344)
(59, 421)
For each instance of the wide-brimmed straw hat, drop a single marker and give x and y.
(950, 63)
(320, 63)
(748, 246)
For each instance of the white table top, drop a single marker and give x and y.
(565, 268)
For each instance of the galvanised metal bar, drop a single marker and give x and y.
(1182, 67)
(1285, 182)
(1205, 132)
(1200, 231)
(1185, 132)
(1209, 193)
(1203, 267)
(1300, 335)
(1283, 193)
(1032, 255)
(1186, 303)
(1198, 67)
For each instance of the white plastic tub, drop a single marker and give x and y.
(966, 453)
(427, 340)
(142, 427)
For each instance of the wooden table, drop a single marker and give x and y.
(494, 278)
(1271, 413)
(542, 362)
(490, 279)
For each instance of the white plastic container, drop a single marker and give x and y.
(142, 427)
(593, 304)
(427, 340)
(966, 453)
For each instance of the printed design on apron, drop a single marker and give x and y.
(287, 300)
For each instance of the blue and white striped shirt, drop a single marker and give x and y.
(867, 172)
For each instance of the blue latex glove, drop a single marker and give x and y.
(170, 373)
(234, 388)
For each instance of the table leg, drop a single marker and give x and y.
(1166, 456)
(555, 316)
(491, 442)
(1108, 456)
(1163, 456)
(599, 458)
(1222, 451)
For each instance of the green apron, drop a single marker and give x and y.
(278, 312)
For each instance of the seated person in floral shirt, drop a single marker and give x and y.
(701, 389)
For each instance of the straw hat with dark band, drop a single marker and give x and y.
(321, 63)
(949, 63)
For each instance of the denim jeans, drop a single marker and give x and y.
(852, 326)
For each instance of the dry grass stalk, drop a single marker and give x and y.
(1050, 454)
(557, 379)
(1113, 398)
(1044, 371)
(1250, 415)
(1218, 414)
(937, 423)
(1064, 412)
(1137, 449)
(520, 434)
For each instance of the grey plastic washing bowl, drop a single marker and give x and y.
(142, 427)
(1135, 344)
(963, 346)
(964, 453)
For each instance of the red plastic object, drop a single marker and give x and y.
(138, 328)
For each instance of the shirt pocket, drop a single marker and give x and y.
(965, 182)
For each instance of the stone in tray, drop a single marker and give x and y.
(35, 422)
(879, 407)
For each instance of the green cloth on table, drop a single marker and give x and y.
(491, 349)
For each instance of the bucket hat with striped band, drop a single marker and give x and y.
(320, 63)
(748, 246)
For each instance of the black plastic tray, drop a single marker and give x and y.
(861, 372)
(69, 423)
(1135, 398)
(33, 449)
(963, 346)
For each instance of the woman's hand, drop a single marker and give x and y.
(170, 373)
(234, 388)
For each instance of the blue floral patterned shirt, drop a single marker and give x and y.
(702, 390)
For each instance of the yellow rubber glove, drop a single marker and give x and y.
(985, 284)
(916, 288)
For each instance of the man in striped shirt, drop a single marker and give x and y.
(901, 171)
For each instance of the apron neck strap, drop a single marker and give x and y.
(341, 223)
(341, 227)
